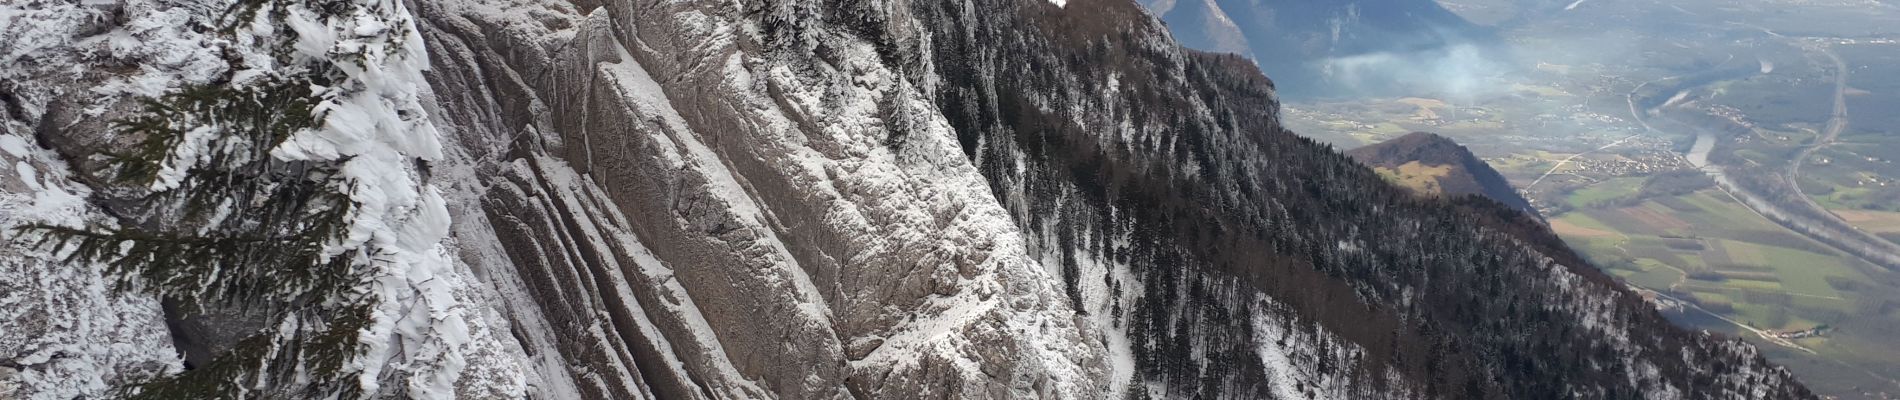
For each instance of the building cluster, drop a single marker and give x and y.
(1732, 114)
(1651, 157)
(1797, 334)
(1596, 118)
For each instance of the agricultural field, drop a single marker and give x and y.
(1746, 272)
(1845, 177)
(1711, 248)
(1876, 222)
(1610, 190)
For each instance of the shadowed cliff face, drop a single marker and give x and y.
(985, 199)
(1451, 169)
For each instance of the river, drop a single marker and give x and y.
(1817, 222)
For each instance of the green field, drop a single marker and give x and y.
(1612, 189)
(1707, 248)
(1770, 278)
(1805, 273)
(1853, 176)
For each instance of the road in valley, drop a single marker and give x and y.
(1835, 124)
(1764, 335)
(1802, 215)
(1880, 249)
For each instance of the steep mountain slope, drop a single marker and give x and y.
(990, 199)
(1437, 166)
(1331, 47)
(1253, 210)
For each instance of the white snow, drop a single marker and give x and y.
(374, 122)
(582, 194)
(424, 327)
(64, 328)
(638, 88)
(14, 145)
(1278, 349)
(191, 153)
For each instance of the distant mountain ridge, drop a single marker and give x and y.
(1325, 48)
(1436, 165)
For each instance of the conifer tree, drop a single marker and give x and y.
(215, 222)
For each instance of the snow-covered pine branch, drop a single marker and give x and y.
(296, 185)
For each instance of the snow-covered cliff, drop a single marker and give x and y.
(747, 199)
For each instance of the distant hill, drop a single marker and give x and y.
(1435, 165)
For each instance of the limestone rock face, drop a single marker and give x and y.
(717, 209)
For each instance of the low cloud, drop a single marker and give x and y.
(1459, 71)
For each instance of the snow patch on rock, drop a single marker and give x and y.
(64, 331)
